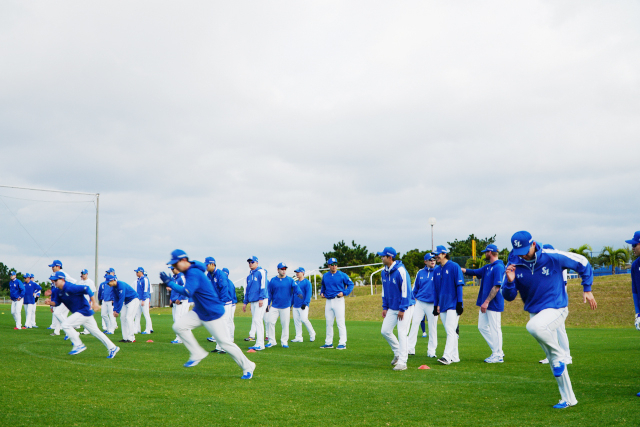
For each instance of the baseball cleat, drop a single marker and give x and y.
(256, 348)
(249, 339)
(444, 361)
(24, 327)
(341, 347)
(285, 346)
(112, 353)
(249, 374)
(312, 339)
(412, 354)
(327, 346)
(433, 356)
(558, 369)
(85, 332)
(395, 360)
(489, 359)
(400, 367)
(108, 333)
(296, 340)
(144, 333)
(16, 329)
(562, 405)
(424, 335)
(222, 352)
(49, 327)
(269, 345)
(66, 337)
(192, 363)
(54, 334)
(211, 339)
(176, 342)
(638, 394)
(78, 349)
(544, 361)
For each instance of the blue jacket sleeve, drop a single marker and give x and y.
(177, 288)
(118, 299)
(296, 290)
(307, 298)
(475, 273)
(37, 288)
(580, 265)
(263, 284)
(416, 285)
(636, 302)
(322, 289)
(347, 281)
(509, 291)
(498, 275)
(405, 289)
(21, 289)
(460, 284)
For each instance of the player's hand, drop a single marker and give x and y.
(638, 323)
(267, 310)
(436, 310)
(19, 299)
(244, 308)
(303, 306)
(588, 296)
(165, 277)
(484, 306)
(115, 314)
(142, 303)
(322, 295)
(178, 302)
(511, 273)
(340, 294)
(169, 289)
(95, 307)
(464, 270)
(384, 314)
(400, 315)
(459, 308)
(260, 303)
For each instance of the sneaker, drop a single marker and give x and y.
(493, 359)
(249, 339)
(49, 327)
(15, 329)
(412, 354)
(638, 394)
(544, 361)
(563, 404)
(78, 349)
(433, 356)
(85, 332)
(498, 359)
(145, 333)
(249, 374)
(558, 369)
(256, 348)
(395, 360)
(104, 331)
(176, 342)
(152, 331)
(215, 351)
(444, 361)
(66, 337)
(211, 339)
(54, 334)
(312, 339)
(269, 345)
(400, 367)
(424, 335)
(489, 359)
(192, 363)
(341, 347)
(221, 352)
(296, 340)
(108, 333)
(112, 353)
(327, 346)
(24, 327)
(285, 346)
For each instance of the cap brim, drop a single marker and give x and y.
(521, 251)
(632, 242)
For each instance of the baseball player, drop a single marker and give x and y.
(335, 285)
(255, 293)
(301, 308)
(208, 311)
(490, 301)
(448, 286)
(104, 314)
(536, 274)
(31, 293)
(60, 312)
(563, 338)
(221, 288)
(424, 295)
(125, 304)
(179, 302)
(107, 302)
(16, 292)
(72, 296)
(397, 306)
(85, 281)
(234, 301)
(143, 287)
(635, 277)
(281, 290)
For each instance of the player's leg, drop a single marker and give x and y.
(390, 321)
(104, 314)
(176, 312)
(112, 319)
(403, 338)
(233, 322)
(433, 330)
(485, 331)
(60, 312)
(91, 326)
(450, 322)
(136, 319)
(183, 328)
(69, 325)
(418, 315)
(27, 315)
(134, 305)
(16, 311)
(329, 315)
(148, 327)
(338, 307)
(270, 319)
(220, 331)
(304, 318)
(563, 342)
(495, 324)
(285, 315)
(297, 324)
(257, 321)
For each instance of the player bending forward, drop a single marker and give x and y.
(208, 311)
(536, 274)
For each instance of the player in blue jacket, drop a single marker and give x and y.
(255, 293)
(490, 301)
(31, 293)
(125, 306)
(143, 287)
(335, 286)
(635, 277)
(234, 301)
(281, 289)
(221, 287)
(208, 311)
(424, 294)
(448, 289)
(16, 292)
(73, 297)
(60, 312)
(179, 302)
(108, 302)
(536, 274)
(301, 308)
(397, 306)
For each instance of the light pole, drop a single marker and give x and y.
(432, 222)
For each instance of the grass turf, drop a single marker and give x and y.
(146, 385)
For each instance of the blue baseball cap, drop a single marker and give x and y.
(58, 275)
(299, 270)
(253, 259)
(85, 271)
(490, 248)
(111, 270)
(332, 261)
(548, 247)
(440, 249)
(12, 273)
(209, 260)
(388, 251)
(177, 255)
(110, 277)
(521, 242)
(428, 256)
(56, 263)
(282, 266)
(635, 240)
(27, 275)
(226, 270)
(139, 269)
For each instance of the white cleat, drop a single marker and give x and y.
(296, 340)
(400, 367)
(544, 361)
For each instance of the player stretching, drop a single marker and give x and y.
(536, 274)
(31, 294)
(221, 287)
(490, 301)
(335, 286)
(424, 294)
(179, 302)
(449, 282)
(16, 292)
(635, 277)
(234, 301)
(397, 306)
(301, 308)
(208, 311)
(143, 287)
(125, 305)
(281, 289)
(255, 293)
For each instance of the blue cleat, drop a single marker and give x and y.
(561, 405)
(49, 327)
(211, 339)
(269, 345)
(192, 363)
(558, 370)
(342, 347)
(247, 376)
(78, 350)
(176, 342)
(327, 346)
(66, 337)
(285, 346)
(638, 394)
(112, 353)
(256, 348)
(108, 333)
(144, 333)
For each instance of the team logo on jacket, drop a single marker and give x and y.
(545, 271)
(520, 276)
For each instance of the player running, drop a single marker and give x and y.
(16, 293)
(281, 290)
(536, 274)
(208, 311)
(424, 294)
(335, 286)
(255, 293)
(301, 308)
(397, 306)
(490, 301)
(635, 277)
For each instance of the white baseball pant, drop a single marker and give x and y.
(177, 310)
(257, 318)
(60, 313)
(450, 323)
(16, 312)
(272, 318)
(143, 310)
(30, 320)
(232, 323)
(113, 323)
(489, 325)
(89, 323)
(543, 326)
(228, 318)
(334, 309)
(419, 311)
(127, 315)
(301, 317)
(400, 345)
(563, 342)
(218, 330)
(106, 319)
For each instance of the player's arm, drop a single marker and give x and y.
(479, 272)
(509, 291)
(404, 292)
(459, 294)
(580, 265)
(322, 287)
(349, 284)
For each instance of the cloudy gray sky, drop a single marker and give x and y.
(279, 128)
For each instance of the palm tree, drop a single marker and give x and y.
(584, 250)
(613, 257)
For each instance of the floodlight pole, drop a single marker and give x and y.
(432, 222)
(95, 271)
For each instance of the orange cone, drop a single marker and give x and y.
(424, 367)
(251, 351)
(149, 340)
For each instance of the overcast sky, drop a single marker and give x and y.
(276, 129)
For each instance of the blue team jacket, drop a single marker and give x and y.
(396, 288)
(16, 289)
(219, 281)
(206, 301)
(540, 282)
(256, 288)
(143, 287)
(333, 284)
(448, 286)
(491, 275)
(180, 281)
(281, 290)
(122, 294)
(635, 284)
(424, 287)
(30, 289)
(72, 296)
(305, 287)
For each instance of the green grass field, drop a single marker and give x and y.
(146, 385)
